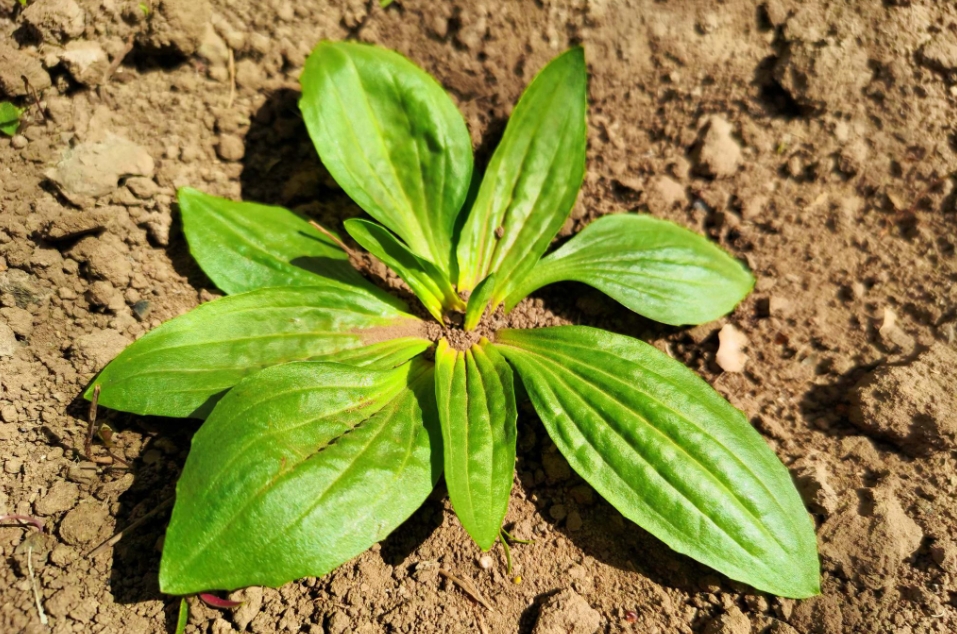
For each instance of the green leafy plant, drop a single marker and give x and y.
(9, 118)
(331, 411)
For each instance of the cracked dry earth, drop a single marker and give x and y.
(816, 139)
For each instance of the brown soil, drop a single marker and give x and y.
(814, 139)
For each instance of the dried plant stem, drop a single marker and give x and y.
(342, 245)
(91, 431)
(120, 56)
(36, 590)
(468, 588)
(136, 524)
(232, 78)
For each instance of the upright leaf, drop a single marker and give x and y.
(184, 366)
(652, 266)
(429, 284)
(669, 453)
(532, 180)
(391, 137)
(298, 469)
(476, 400)
(246, 246)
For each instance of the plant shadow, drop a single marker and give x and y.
(573, 508)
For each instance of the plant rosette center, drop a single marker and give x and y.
(331, 407)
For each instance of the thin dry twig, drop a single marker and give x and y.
(468, 588)
(342, 245)
(36, 589)
(232, 78)
(135, 524)
(483, 628)
(911, 211)
(120, 57)
(91, 431)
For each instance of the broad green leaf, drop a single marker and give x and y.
(429, 284)
(478, 301)
(532, 180)
(298, 469)
(475, 392)
(9, 118)
(669, 453)
(184, 366)
(652, 266)
(246, 246)
(391, 137)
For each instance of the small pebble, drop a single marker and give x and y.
(485, 562)
(18, 142)
(230, 148)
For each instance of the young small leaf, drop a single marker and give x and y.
(184, 366)
(9, 118)
(476, 401)
(429, 284)
(652, 266)
(391, 137)
(532, 180)
(669, 453)
(246, 246)
(298, 469)
(478, 301)
(182, 617)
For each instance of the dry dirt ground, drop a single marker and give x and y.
(816, 140)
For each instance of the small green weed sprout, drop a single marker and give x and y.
(9, 118)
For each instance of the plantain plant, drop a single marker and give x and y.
(331, 410)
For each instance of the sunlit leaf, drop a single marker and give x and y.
(298, 469)
(652, 266)
(476, 401)
(669, 453)
(532, 180)
(392, 138)
(184, 366)
(245, 246)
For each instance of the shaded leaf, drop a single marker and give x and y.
(391, 137)
(246, 246)
(532, 180)
(182, 367)
(669, 453)
(428, 283)
(298, 469)
(654, 267)
(476, 402)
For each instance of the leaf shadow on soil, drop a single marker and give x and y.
(164, 444)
